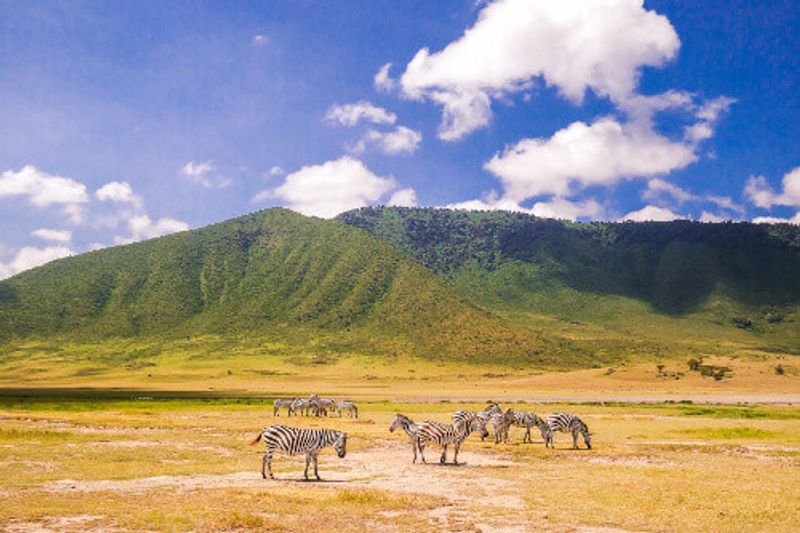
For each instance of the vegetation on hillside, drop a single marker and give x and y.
(271, 274)
(740, 279)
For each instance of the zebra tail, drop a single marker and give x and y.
(257, 439)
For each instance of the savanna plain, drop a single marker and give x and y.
(158, 453)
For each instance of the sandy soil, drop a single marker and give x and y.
(385, 466)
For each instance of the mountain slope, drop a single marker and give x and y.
(269, 274)
(659, 282)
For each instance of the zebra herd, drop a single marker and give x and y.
(501, 421)
(316, 406)
(295, 441)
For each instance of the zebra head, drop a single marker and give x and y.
(400, 421)
(587, 437)
(340, 444)
(478, 425)
(492, 409)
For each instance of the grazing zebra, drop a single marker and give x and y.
(525, 420)
(283, 403)
(485, 415)
(408, 425)
(444, 435)
(547, 433)
(350, 407)
(501, 422)
(302, 406)
(467, 417)
(324, 405)
(295, 441)
(567, 423)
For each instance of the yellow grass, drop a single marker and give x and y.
(176, 465)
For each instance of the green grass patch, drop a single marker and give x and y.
(730, 433)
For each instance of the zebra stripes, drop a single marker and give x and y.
(295, 441)
(350, 407)
(525, 420)
(567, 423)
(444, 435)
(288, 404)
(485, 415)
(407, 425)
(313, 405)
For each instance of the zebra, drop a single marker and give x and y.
(288, 404)
(547, 433)
(408, 425)
(501, 422)
(350, 407)
(484, 415)
(295, 441)
(444, 435)
(324, 405)
(302, 406)
(466, 417)
(525, 420)
(567, 423)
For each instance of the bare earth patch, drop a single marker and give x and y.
(385, 466)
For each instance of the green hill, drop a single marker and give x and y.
(394, 282)
(316, 285)
(651, 287)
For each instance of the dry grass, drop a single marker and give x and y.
(185, 465)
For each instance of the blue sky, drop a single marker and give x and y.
(127, 120)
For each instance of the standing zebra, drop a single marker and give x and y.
(501, 422)
(444, 435)
(295, 441)
(325, 405)
(547, 433)
(408, 425)
(288, 404)
(524, 420)
(485, 415)
(350, 407)
(567, 423)
(303, 406)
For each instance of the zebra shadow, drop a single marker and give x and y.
(315, 481)
(450, 465)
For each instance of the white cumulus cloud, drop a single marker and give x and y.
(758, 191)
(45, 190)
(351, 114)
(573, 45)
(52, 235)
(118, 192)
(400, 141)
(653, 214)
(330, 188)
(403, 198)
(583, 155)
(142, 227)
(382, 80)
(777, 220)
(30, 257)
(201, 173)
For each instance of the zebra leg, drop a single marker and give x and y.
(266, 463)
(308, 460)
(422, 451)
(456, 447)
(414, 449)
(527, 435)
(443, 458)
(574, 439)
(316, 473)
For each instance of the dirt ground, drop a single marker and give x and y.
(187, 466)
